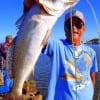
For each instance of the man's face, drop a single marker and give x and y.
(74, 29)
(8, 40)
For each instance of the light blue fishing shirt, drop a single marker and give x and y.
(77, 63)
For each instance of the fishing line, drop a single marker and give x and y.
(97, 26)
(96, 21)
(71, 10)
(95, 17)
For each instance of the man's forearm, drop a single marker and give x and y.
(93, 78)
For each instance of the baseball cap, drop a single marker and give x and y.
(75, 13)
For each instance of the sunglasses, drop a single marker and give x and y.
(76, 24)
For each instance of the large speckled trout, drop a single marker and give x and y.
(36, 25)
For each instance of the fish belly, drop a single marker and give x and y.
(28, 47)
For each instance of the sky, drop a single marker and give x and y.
(11, 10)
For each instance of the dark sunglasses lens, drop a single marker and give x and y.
(78, 25)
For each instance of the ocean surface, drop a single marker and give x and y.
(42, 73)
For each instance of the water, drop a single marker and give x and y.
(42, 72)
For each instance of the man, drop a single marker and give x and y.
(73, 64)
(5, 83)
(4, 46)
